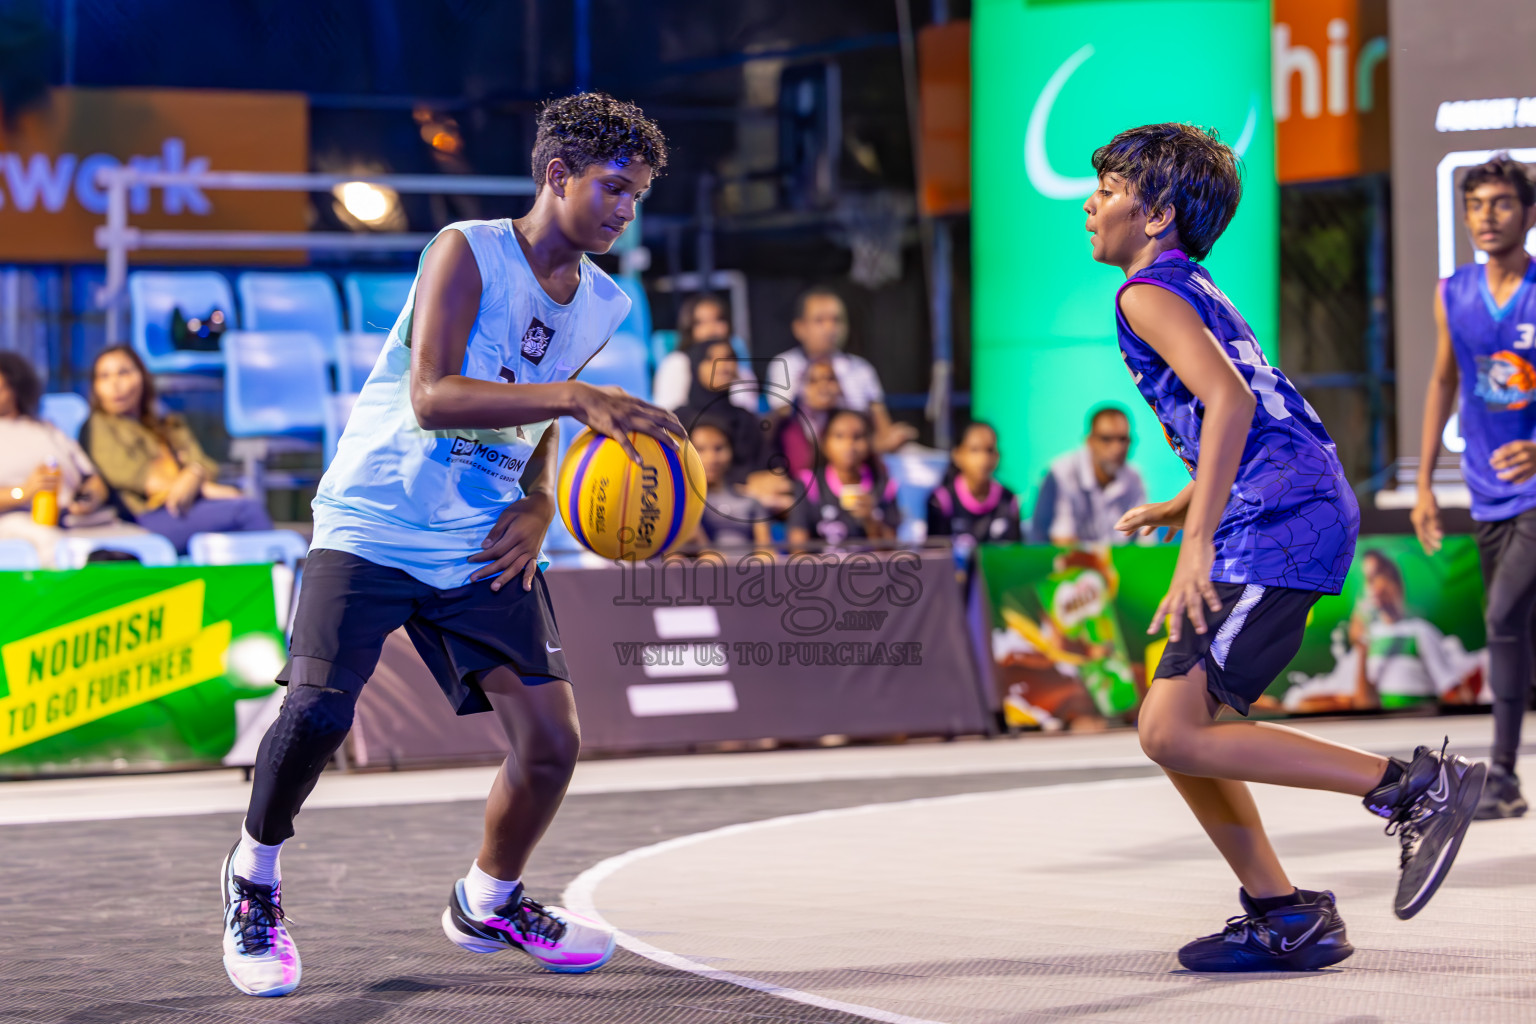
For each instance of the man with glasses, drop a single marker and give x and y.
(1088, 489)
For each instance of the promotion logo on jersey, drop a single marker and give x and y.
(1505, 381)
(536, 340)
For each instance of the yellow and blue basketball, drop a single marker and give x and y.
(623, 511)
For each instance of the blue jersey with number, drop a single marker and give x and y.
(1291, 519)
(1494, 351)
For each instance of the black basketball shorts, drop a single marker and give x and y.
(348, 605)
(1246, 645)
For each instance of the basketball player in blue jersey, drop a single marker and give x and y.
(431, 517)
(1269, 525)
(1486, 318)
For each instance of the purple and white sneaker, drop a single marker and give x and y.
(559, 940)
(259, 957)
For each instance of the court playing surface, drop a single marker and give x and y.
(1040, 879)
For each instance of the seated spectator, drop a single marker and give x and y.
(702, 318)
(799, 425)
(731, 518)
(157, 467)
(821, 329)
(1087, 490)
(971, 505)
(37, 456)
(715, 370)
(852, 498)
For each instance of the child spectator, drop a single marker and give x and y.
(703, 318)
(852, 498)
(715, 370)
(797, 438)
(731, 519)
(159, 470)
(971, 505)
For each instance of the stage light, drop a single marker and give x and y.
(368, 203)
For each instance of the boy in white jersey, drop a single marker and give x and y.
(431, 517)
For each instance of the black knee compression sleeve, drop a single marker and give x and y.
(316, 715)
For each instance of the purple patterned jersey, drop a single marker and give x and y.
(1495, 350)
(1291, 520)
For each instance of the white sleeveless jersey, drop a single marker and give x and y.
(423, 500)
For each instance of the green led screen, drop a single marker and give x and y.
(1051, 81)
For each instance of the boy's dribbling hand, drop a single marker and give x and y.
(614, 412)
(1190, 593)
(513, 543)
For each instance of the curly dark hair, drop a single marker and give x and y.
(1182, 166)
(24, 383)
(594, 128)
(1500, 168)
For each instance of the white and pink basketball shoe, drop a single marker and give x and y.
(259, 956)
(559, 940)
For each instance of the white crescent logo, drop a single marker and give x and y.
(1037, 164)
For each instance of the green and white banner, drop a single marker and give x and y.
(121, 666)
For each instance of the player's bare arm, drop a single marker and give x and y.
(1175, 331)
(512, 545)
(447, 302)
(1438, 402)
(1147, 518)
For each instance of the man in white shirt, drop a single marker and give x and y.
(821, 328)
(1087, 490)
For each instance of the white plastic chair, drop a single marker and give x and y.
(253, 547)
(149, 548)
(67, 411)
(18, 556)
(274, 401)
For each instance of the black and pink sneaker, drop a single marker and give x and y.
(559, 940)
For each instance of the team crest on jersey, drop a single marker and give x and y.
(536, 340)
(1505, 381)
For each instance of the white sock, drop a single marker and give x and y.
(485, 894)
(256, 862)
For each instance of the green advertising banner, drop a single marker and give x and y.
(1052, 80)
(118, 666)
(1070, 647)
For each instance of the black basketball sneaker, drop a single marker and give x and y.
(1428, 808)
(1501, 796)
(1305, 936)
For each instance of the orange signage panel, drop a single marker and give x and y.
(51, 203)
(1330, 88)
(944, 84)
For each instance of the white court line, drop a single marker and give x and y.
(580, 895)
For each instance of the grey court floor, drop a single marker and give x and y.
(1030, 880)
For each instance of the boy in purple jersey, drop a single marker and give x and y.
(1486, 319)
(1269, 525)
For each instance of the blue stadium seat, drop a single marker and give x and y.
(254, 547)
(18, 556)
(274, 385)
(374, 300)
(275, 392)
(149, 548)
(355, 353)
(153, 294)
(623, 361)
(917, 471)
(638, 322)
(67, 411)
(338, 409)
(304, 301)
